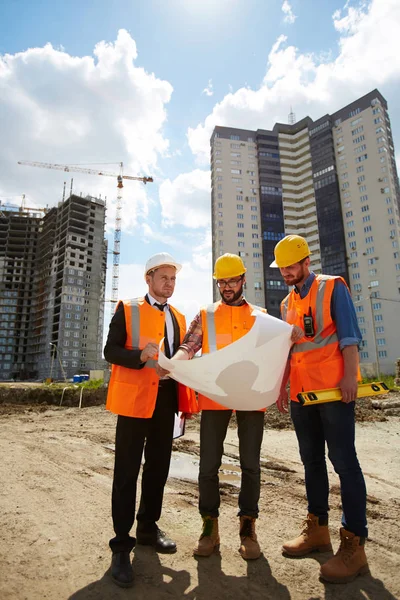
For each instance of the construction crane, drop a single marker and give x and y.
(23, 208)
(117, 229)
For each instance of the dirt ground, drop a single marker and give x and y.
(56, 474)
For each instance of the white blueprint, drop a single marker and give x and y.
(245, 375)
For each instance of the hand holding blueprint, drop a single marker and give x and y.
(245, 375)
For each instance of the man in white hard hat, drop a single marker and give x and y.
(146, 406)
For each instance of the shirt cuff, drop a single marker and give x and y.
(188, 349)
(349, 341)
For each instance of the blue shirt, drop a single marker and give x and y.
(342, 312)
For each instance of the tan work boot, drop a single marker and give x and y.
(348, 562)
(249, 546)
(209, 539)
(314, 537)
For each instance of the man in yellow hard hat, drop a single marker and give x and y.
(215, 327)
(325, 357)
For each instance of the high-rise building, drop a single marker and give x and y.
(52, 285)
(334, 181)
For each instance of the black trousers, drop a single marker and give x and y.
(213, 428)
(154, 435)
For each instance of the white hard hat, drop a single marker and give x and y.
(162, 259)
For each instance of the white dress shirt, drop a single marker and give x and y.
(168, 321)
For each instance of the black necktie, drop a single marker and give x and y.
(166, 344)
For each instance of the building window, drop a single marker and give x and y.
(240, 215)
(361, 158)
(240, 234)
(382, 354)
(364, 354)
(360, 148)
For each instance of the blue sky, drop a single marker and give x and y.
(146, 81)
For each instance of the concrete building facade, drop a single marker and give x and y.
(65, 293)
(334, 181)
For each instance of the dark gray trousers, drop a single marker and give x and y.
(213, 428)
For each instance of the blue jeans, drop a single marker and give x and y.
(333, 423)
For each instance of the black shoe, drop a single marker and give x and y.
(121, 569)
(156, 538)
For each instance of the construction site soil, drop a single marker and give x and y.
(56, 473)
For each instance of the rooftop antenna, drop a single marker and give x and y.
(291, 117)
(63, 196)
(72, 185)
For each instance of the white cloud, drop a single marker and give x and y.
(208, 91)
(65, 109)
(152, 234)
(186, 200)
(289, 17)
(312, 84)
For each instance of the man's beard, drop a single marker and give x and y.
(296, 280)
(234, 298)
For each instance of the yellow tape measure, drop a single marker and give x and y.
(334, 394)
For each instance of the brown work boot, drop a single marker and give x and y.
(348, 562)
(249, 547)
(314, 537)
(209, 539)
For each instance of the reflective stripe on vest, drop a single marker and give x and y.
(319, 321)
(135, 330)
(284, 307)
(212, 335)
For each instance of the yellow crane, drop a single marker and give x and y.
(117, 229)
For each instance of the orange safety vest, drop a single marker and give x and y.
(133, 392)
(222, 325)
(316, 363)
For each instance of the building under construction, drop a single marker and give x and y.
(52, 286)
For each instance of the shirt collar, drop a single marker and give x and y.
(153, 301)
(305, 288)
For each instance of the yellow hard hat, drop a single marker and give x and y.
(228, 265)
(290, 250)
